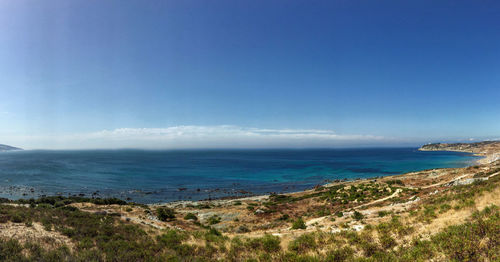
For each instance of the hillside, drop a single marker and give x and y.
(8, 148)
(447, 214)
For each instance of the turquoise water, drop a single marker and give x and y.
(160, 176)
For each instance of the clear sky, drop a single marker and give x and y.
(171, 74)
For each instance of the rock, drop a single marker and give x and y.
(242, 229)
(467, 181)
(259, 211)
(358, 227)
(101, 212)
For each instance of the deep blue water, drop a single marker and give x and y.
(160, 176)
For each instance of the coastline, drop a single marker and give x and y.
(171, 179)
(484, 159)
(397, 194)
(416, 205)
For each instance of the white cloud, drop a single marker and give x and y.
(224, 136)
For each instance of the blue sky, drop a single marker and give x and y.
(162, 74)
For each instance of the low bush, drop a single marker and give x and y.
(395, 182)
(299, 224)
(357, 215)
(383, 213)
(267, 243)
(386, 241)
(165, 214)
(190, 216)
(303, 243)
(171, 239)
(284, 217)
(213, 220)
(339, 255)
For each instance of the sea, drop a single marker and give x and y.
(153, 176)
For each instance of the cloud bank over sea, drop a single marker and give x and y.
(193, 136)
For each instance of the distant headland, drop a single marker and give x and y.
(489, 149)
(8, 148)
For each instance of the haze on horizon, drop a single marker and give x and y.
(247, 74)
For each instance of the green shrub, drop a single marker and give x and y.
(444, 207)
(369, 248)
(214, 231)
(242, 229)
(47, 225)
(284, 217)
(44, 205)
(271, 243)
(17, 218)
(386, 241)
(428, 213)
(395, 182)
(11, 250)
(213, 220)
(190, 216)
(303, 243)
(267, 243)
(357, 215)
(214, 236)
(339, 255)
(299, 224)
(165, 214)
(171, 239)
(383, 213)
(59, 204)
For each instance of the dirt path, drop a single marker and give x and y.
(446, 182)
(319, 219)
(490, 176)
(395, 194)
